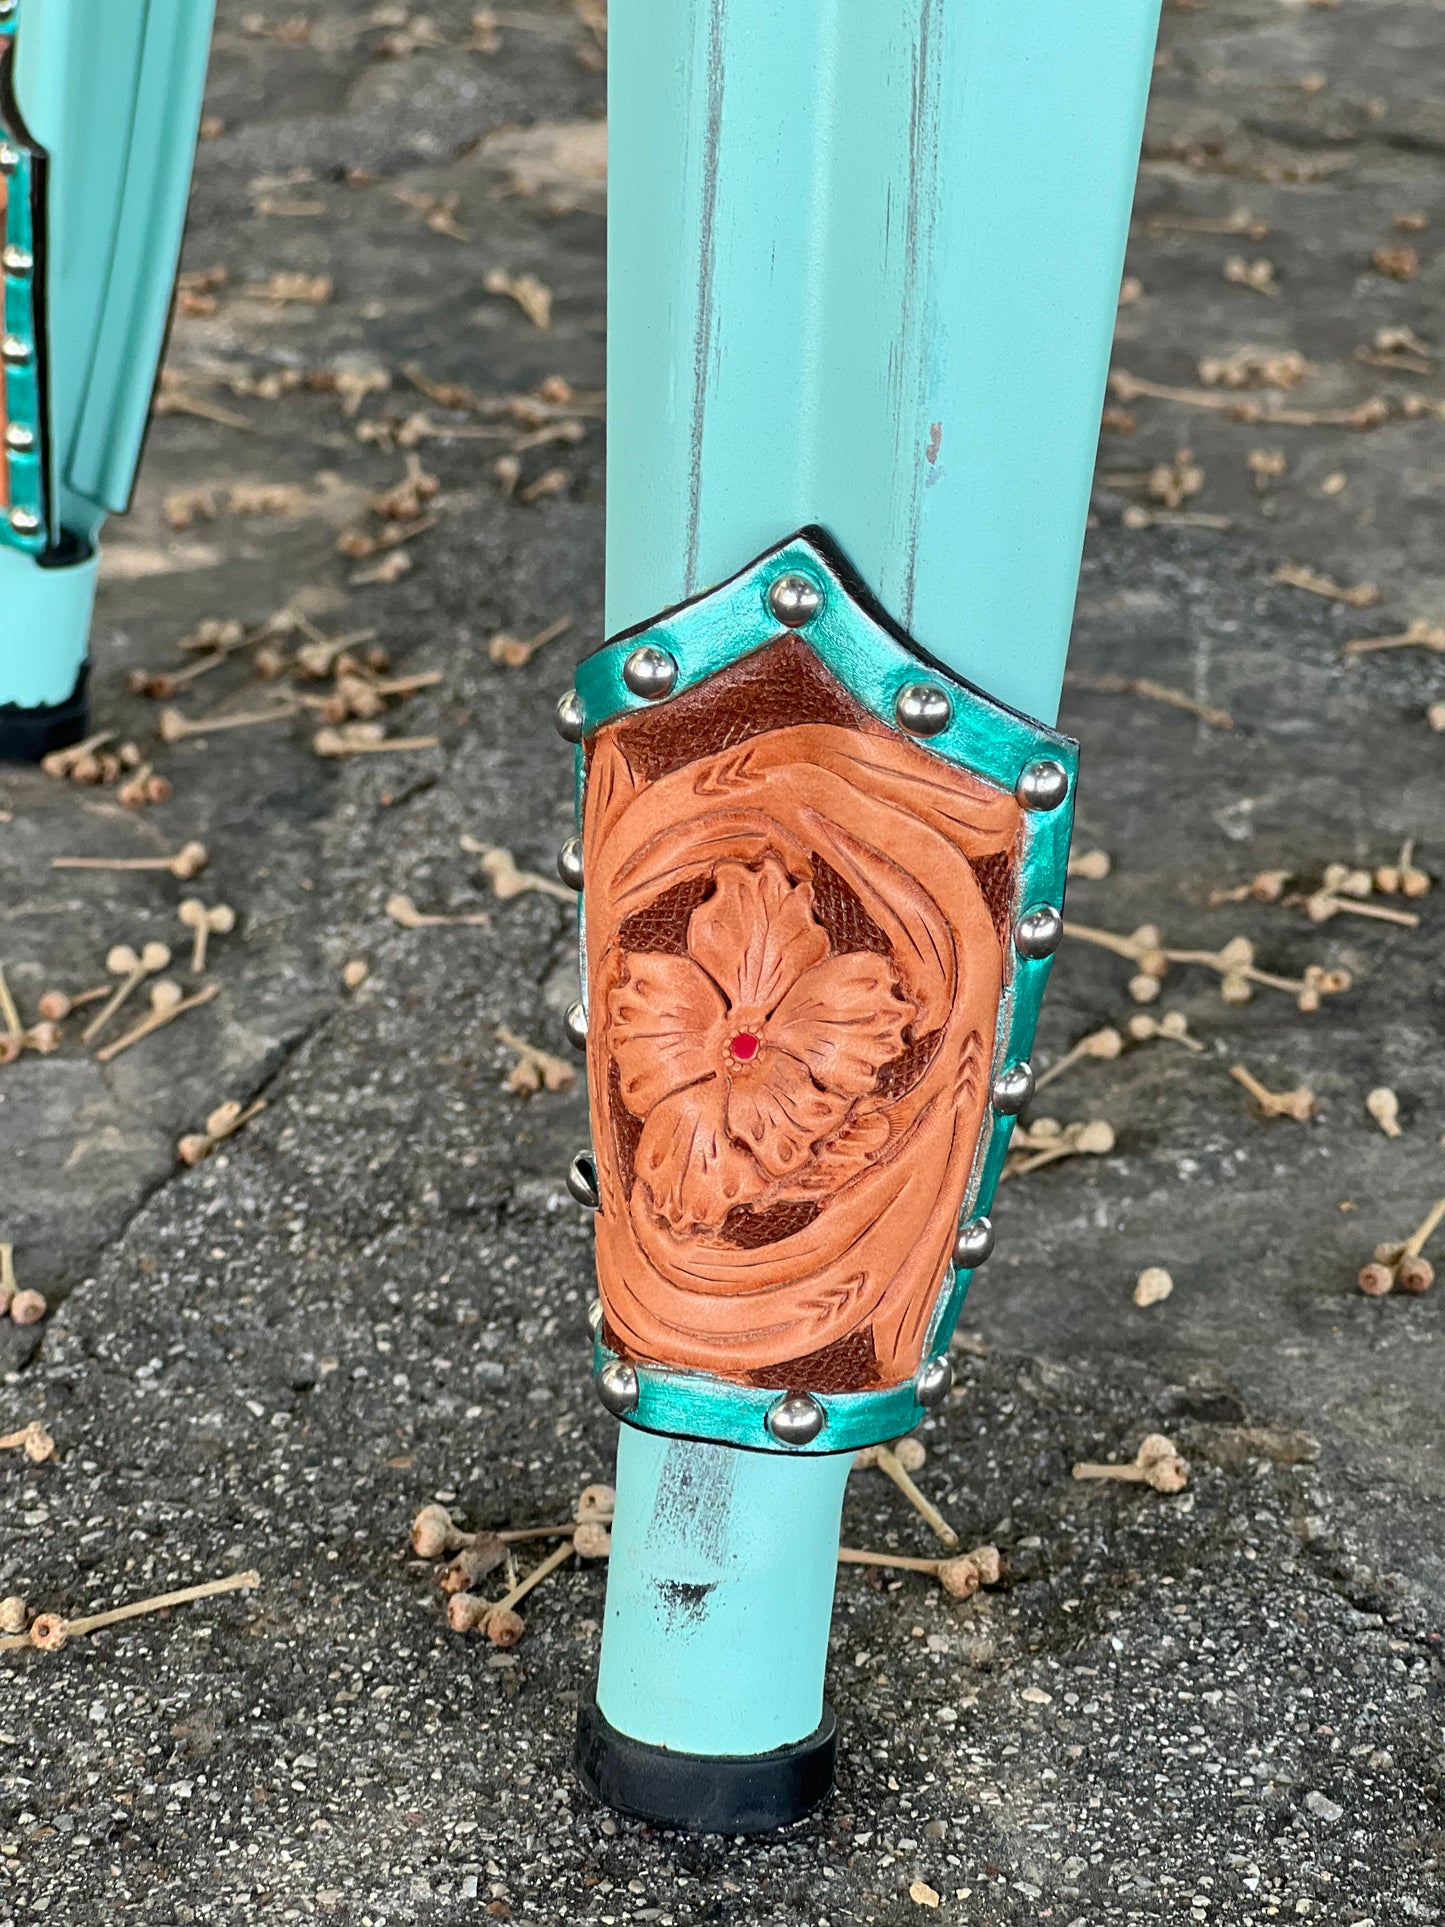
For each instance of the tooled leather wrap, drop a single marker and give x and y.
(795, 961)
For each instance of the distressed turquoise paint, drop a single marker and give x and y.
(719, 1594)
(44, 621)
(863, 264)
(112, 96)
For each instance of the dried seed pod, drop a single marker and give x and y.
(1143, 988)
(989, 1564)
(1162, 1467)
(47, 1631)
(595, 1502)
(960, 1577)
(433, 1533)
(473, 1562)
(910, 1454)
(1384, 1108)
(1375, 1280)
(591, 1540)
(505, 1627)
(1415, 1274)
(14, 1614)
(54, 1006)
(27, 1307)
(466, 1611)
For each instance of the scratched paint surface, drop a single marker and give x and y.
(721, 1571)
(863, 269)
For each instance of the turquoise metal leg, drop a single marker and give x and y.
(863, 265)
(106, 97)
(721, 1560)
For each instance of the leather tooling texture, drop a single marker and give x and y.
(795, 963)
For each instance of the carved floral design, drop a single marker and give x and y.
(746, 1057)
(795, 977)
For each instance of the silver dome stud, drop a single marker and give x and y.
(796, 1419)
(1013, 1088)
(594, 1316)
(794, 600)
(934, 1382)
(19, 438)
(575, 1025)
(569, 717)
(1042, 786)
(1039, 932)
(974, 1244)
(618, 1388)
(923, 709)
(582, 1180)
(650, 672)
(569, 863)
(24, 523)
(9, 158)
(15, 351)
(17, 261)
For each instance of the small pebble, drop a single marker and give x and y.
(1152, 1286)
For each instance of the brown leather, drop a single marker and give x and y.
(794, 924)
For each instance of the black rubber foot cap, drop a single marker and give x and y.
(28, 734)
(699, 1792)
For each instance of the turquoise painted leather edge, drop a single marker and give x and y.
(25, 526)
(874, 662)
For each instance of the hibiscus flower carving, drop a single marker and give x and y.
(753, 1059)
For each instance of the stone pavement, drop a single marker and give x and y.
(1224, 1706)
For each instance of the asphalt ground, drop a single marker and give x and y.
(1223, 1705)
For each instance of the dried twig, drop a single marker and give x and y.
(363, 739)
(402, 910)
(167, 1004)
(897, 1462)
(961, 1576)
(222, 1123)
(173, 727)
(1234, 962)
(1155, 1464)
(516, 651)
(188, 862)
(1401, 1263)
(1297, 575)
(1367, 414)
(532, 296)
(1152, 691)
(1419, 635)
(219, 919)
(1301, 1104)
(32, 1439)
(49, 1631)
(499, 867)
(1099, 1044)
(536, 1069)
(1046, 1141)
(122, 961)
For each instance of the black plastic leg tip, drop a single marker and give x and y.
(28, 734)
(703, 1793)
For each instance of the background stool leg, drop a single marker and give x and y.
(102, 99)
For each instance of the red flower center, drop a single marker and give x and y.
(744, 1046)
